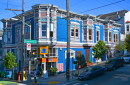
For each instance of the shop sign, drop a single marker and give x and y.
(52, 60)
(44, 50)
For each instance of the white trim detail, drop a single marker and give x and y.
(71, 51)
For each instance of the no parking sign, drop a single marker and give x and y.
(28, 46)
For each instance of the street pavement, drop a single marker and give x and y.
(120, 76)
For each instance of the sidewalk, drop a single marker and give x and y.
(57, 79)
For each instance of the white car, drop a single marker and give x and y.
(126, 58)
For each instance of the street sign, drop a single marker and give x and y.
(28, 46)
(30, 41)
(44, 50)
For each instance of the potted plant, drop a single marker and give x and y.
(53, 70)
(41, 72)
(88, 63)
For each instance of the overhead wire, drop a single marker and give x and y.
(102, 6)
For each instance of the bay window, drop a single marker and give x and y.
(27, 33)
(105, 34)
(115, 38)
(85, 33)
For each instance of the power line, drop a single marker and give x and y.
(103, 6)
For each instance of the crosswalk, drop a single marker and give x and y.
(74, 84)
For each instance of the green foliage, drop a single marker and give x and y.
(99, 49)
(53, 70)
(79, 60)
(120, 46)
(41, 71)
(88, 59)
(2, 74)
(127, 42)
(10, 60)
(76, 74)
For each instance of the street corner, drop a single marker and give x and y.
(34, 82)
(53, 82)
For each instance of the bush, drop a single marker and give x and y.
(76, 74)
(53, 70)
(2, 74)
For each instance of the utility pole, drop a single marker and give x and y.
(22, 63)
(68, 42)
(22, 57)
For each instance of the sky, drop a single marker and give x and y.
(93, 7)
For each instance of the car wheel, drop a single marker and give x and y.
(122, 64)
(90, 77)
(114, 68)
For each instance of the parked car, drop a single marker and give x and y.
(126, 58)
(114, 64)
(91, 72)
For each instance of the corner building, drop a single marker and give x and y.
(49, 28)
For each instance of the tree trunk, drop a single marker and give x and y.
(13, 73)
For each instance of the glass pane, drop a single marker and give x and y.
(44, 26)
(85, 31)
(25, 30)
(90, 37)
(76, 30)
(85, 37)
(90, 31)
(44, 33)
(76, 34)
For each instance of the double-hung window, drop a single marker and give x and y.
(115, 38)
(8, 36)
(110, 36)
(36, 30)
(85, 33)
(44, 29)
(90, 34)
(72, 32)
(5, 37)
(27, 33)
(105, 35)
(53, 52)
(127, 27)
(97, 35)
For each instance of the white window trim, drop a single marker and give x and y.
(104, 35)
(108, 36)
(88, 34)
(115, 37)
(71, 51)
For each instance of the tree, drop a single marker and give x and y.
(99, 49)
(127, 43)
(10, 61)
(120, 46)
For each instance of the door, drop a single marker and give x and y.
(87, 54)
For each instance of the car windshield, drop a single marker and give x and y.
(126, 56)
(89, 69)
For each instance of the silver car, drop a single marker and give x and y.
(126, 58)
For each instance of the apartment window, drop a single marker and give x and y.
(105, 34)
(115, 38)
(77, 32)
(52, 52)
(4, 36)
(85, 33)
(97, 35)
(9, 36)
(110, 36)
(127, 26)
(18, 34)
(90, 34)
(72, 32)
(44, 29)
(27, 33)
(36, 30)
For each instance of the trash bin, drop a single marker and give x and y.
(8, 74)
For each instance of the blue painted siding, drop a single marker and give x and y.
(61, 58)
(94, 33)
(101, 33)
(13, 34)
(32, 28)
(61, 29)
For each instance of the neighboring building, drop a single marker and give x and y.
(1, 50)
(122, 17)
(45, 20)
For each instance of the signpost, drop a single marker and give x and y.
(28, 46)
(30, 41)
(44, 50)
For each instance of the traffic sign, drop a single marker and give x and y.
(28, 46)
(30, 41)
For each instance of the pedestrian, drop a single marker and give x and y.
(35, 76)
(26, 73)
